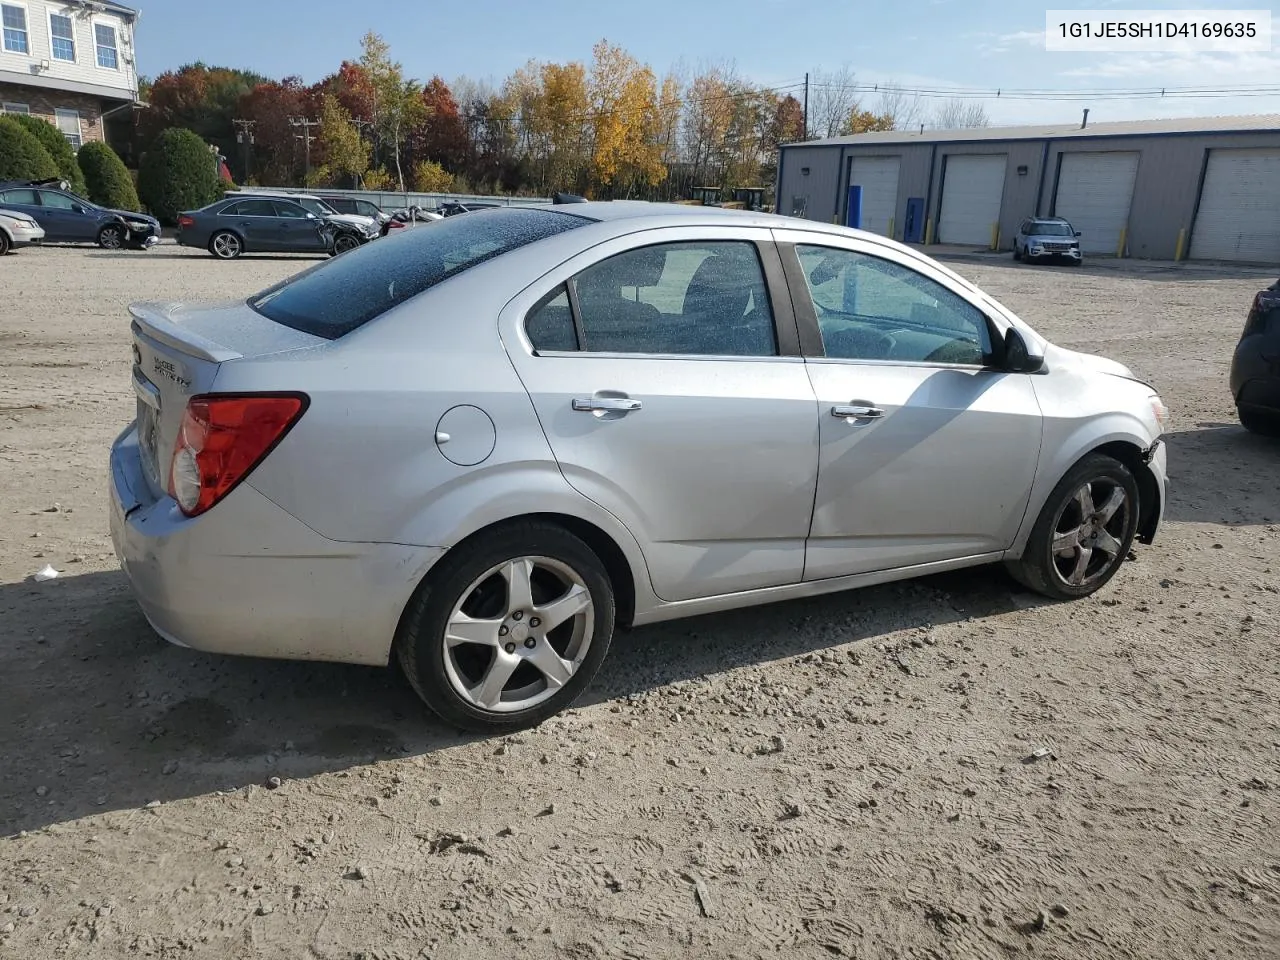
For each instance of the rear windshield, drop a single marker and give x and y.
(344, 293)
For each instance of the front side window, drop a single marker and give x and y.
(14, 19)
(342, 294)
(291, 211)
(696, 298)
(869, 308)
(56, 201)
(69, 123)
(104, 36)
(63, 36)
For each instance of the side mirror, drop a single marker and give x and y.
(1079, 234)
(312, 216)
(1018, 357)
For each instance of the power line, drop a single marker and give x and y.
(1097, 93)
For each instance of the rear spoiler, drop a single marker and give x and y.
(153, 320)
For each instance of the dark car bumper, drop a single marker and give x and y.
(1255, 376)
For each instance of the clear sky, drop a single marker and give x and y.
(963, 43)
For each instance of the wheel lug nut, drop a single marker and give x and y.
(517, 615)
(503, 630)
(511, 648)
(531, 643)
(535, 622)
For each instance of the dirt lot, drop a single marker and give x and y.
(839, 777)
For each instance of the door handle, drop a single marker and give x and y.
(606, 404)
(849, 411)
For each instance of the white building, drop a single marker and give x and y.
(69, 61)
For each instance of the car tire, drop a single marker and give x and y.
(226, 245)
(1262, 424)
(344, 242)
(111, 237)
(1074, 551)
(5, 244)
(1017, 254)
(489, 684)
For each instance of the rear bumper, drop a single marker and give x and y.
(248, 578)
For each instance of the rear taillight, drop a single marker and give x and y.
(223, 437)
(185, 222)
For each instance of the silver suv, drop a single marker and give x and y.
(1047, 238)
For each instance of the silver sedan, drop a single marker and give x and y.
(479, 448)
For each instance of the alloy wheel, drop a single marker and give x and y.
(1089, 531)
(111, 238)
(226, 246)
(518, 634)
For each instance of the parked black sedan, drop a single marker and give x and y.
(244, 224)
(1255, 368)
(69, 218)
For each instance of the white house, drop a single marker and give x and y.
(69, 61)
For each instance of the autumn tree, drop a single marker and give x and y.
(623, 101)
(833, 97)
(343, 155)
(277, 152)
(197, 97)
(441, 134)
(397, 103)
(865, 121)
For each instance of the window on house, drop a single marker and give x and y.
(63, 35)
(15, 28)
(69, 123)
(105, 37)
(8, 107)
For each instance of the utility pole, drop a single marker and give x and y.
(806, 107)
(244, 137)
(306, 136)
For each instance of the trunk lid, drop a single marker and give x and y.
(178, 349)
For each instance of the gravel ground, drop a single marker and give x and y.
(850, 776)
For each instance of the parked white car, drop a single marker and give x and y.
(18, 230)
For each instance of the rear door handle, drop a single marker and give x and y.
(849, 411)
(606, 404)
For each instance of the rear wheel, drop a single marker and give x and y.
(111, 237)
(344, 242)
(4, 243)
(1084, 531)
(1260, 423)
(509, 628)
(225, 245)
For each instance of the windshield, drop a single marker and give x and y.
(344, 293)
(318, 207)
(1052, 230)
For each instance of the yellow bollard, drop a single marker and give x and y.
(928, 232)
(1182, 237)
(995, 236)
(1124, 238)
(890, 228)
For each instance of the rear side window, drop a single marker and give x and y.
(342, 294)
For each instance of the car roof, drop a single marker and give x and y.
(1047, 219)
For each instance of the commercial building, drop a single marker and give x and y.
(1204, 188)
(69, 61)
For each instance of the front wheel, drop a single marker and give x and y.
(1017, 254)
(1084, 531)
(225, 245)
(344, 242)
(111, 237)
(509, 629)
(4, 243)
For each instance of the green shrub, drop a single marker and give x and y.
(22, 156)
(178, 173)
(59, 148)
(106, 178)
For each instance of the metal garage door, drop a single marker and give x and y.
(1094, 193)
(878, 177)
(972, 188)
(1239, 215)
